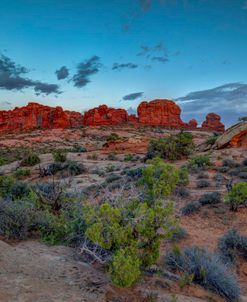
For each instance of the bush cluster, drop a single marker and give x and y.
(198, 163)
(173, 147)
(30, 160)
(59, 156)
(237, 196)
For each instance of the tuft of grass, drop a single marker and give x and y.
(191, 207)
(22, 173)
(207, 269)
(202, 183)
(59, 156)
(210, 198)
(232, 244)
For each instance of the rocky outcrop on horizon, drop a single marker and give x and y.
(38, 116)
(159, 112)
(103, 115)
(213, 123)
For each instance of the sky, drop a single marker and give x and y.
(82, 53)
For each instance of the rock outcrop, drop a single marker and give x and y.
(213, 123)
(104, 115)
(160, 112)
(38, 116)
(235, 136)
(192, 124)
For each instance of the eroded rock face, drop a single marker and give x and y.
(193, 124)
(104, 115)
(160, 112)
(213, 123)
(38, 116)
(235, 136)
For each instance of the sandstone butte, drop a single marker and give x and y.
(160, 112)
(213, 123)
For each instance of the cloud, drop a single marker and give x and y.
(131, 110)
(229, 100)
(86, 69)
(245, 5)
(158, 52)
(12, 78)
(62, 73)
(163, 59)
(117, 66)
(132, 96)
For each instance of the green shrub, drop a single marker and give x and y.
(198, 163)
(183, 176)
(212, 139)
(237, 196)
(125, 268)
(19, 190)
(172, 148)
(6, 183)
(128, 157)
(3, 161)
(159, 179)
(22, 173)
(208, 271)
(74, 168)
(59, 156)
(113, 137)
(30, 160)
(134, 227)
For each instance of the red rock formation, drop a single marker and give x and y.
(38, 116)
(103, 115)
(213, 123)
(160, 113)
(133, 119)
(192, 124)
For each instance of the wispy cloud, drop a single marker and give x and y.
(230, 100)
(85, 70)
(12, 77)
(158, 52)
(132, 96)
(119, 67)
(244, 5)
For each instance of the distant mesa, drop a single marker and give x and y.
(159, 112)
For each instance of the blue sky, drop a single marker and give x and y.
(121, 52)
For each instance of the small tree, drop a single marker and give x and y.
(159, 179)
(237, 196)
(133, 231)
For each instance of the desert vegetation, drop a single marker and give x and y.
(137, 214)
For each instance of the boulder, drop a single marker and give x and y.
(235, 136)
(104, 115)
(213, 123)
(37, 116)
(133, 119)
(160, 112)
